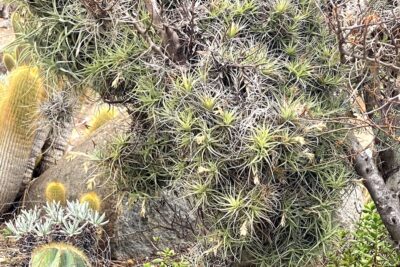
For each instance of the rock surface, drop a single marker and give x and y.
(349, 212)
(167, 223)
(77, 167)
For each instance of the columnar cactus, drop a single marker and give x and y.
(58, 255)
(19, 115)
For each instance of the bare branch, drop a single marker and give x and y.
(386, 201)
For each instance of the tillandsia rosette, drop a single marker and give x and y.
(75, 224)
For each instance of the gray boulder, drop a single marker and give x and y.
(166, 223)
(349, 212)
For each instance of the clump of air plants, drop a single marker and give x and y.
(240, 117)
(75, 224)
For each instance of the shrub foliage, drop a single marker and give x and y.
(240, 116)
(368, 246)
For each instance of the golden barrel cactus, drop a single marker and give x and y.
(55, 191)
(93, 199)
(58, 255)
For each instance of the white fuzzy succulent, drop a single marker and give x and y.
(43, 228)
(41, 221)
(96, 219)
(55, 212)
(79, 211)
(72, 227)
(25, 222)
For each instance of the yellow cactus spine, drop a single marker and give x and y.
(21, 102)
(9, 61)
(104, 115)
(2, 90)
(93, 199)
(19, 119)
(55, 191)
(58, 255)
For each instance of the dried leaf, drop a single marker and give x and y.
(244, 229)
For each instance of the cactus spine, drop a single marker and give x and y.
(55, 191)
(2, 90)
(9, 61)
(93, 199)
(58, 255)
(19, 109)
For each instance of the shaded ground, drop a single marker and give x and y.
(8, 251)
